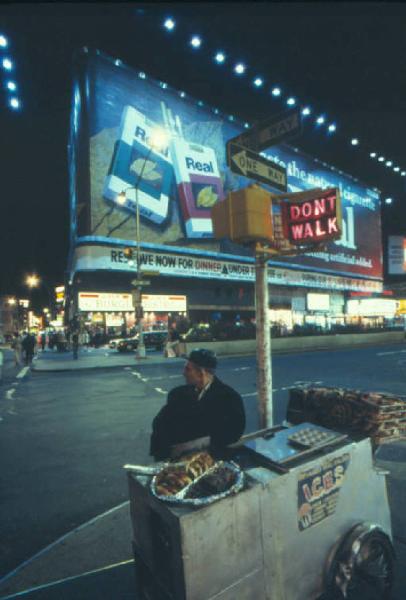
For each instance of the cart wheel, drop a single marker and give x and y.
(362, 565)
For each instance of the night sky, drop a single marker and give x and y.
(345, 60)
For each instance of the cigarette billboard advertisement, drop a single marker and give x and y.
(114, 169)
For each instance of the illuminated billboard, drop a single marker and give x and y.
(115, 169)
(396, 255)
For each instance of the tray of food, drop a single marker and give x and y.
(197, 481)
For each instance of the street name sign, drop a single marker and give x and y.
(243, 161)
(140, 282)
(271, 131)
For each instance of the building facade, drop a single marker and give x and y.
(115, 172)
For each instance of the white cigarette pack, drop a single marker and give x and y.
(135, 165)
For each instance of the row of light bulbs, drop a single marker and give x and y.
(240, 69)
(8, 66)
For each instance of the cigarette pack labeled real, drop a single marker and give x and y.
(134, 164)
(199, 185)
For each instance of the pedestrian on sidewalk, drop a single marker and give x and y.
(43, 340)
(61, 342)
(75, 344)
(28, 345)
(171, 348)
(16, 344)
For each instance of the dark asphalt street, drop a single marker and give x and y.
(65, 436)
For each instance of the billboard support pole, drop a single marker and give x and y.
(140, 352)
(263, 332)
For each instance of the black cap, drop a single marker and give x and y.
(206, 359)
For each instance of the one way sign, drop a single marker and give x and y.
(245, 162)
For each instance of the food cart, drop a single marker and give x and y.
(311, 519)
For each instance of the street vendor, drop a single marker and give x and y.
(205, 406)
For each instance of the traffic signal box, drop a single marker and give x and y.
(244, 216)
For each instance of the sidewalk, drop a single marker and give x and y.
(95, 358)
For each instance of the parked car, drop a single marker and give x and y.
(127, 344)
(152, 339)
(113, 343)
(199, 333)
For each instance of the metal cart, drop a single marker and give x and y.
(312, 520)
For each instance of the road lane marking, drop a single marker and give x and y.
(52, 585)
(160, 378)
(9, 394)
(306, 383)
(61, 539)
(392, 352)
(242, 368)
(249, 394)
(160, 390)
(23, 372)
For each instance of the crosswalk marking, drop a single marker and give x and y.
(23, 372)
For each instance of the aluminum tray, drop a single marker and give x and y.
(180, 497)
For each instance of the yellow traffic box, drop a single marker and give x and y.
(245, 216)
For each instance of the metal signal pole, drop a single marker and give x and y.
(263, 332)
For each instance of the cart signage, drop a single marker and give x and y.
(318, 491)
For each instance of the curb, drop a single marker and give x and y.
(1, 365)
(106, 367)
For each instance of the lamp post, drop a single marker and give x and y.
(13, 303)
(33, 281)
(157, 141)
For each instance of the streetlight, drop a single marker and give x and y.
(157, 141)
(32, 280)
(12, 302)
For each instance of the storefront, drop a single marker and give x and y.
(372, 312)
(113, 312)
(181, 286)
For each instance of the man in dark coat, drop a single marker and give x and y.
(205, 406)
(28, 345)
